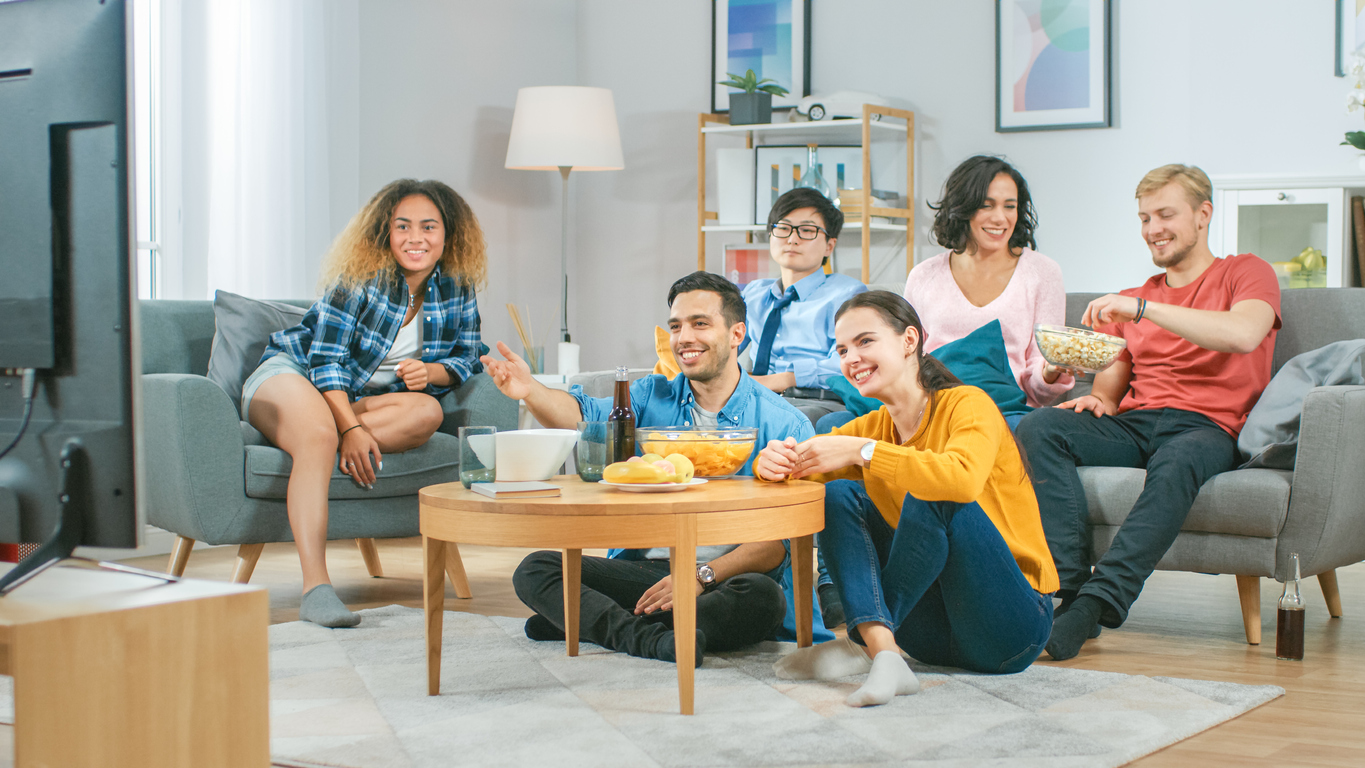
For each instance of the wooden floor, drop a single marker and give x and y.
(1184, 625)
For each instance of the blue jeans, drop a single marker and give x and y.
(1180, 451)
(943, 580)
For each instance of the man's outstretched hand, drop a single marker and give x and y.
(511, 375)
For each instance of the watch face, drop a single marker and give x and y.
(705, 575)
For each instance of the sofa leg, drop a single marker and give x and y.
(370, 553)
(1249, 590)
(180, 556)
(247, 555)
(1328, 581)
(455, 570)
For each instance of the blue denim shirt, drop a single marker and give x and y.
(661, 402)
(345, 336)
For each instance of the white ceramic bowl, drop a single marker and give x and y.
(533, 454)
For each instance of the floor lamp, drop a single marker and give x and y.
(564, 128)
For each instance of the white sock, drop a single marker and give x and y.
(890, 677)
(830, 660)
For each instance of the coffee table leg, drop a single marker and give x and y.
(573, 575)
(801, 588)
(683, 563)
(433, 602)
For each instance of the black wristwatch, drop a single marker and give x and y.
(706, 576)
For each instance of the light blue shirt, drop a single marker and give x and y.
(805, 337)
(662, 402)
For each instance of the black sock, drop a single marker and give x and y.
(540, 628)
(831, 607)
(1073, 628)
(666, 649)
(1067, 602)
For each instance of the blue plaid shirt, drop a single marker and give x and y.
(346, 335)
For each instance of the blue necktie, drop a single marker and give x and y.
(765, 342)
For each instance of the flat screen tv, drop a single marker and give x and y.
(68, 326)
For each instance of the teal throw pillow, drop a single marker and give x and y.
(977, 359)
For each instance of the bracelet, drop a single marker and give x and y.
(1142, 309)
(348, 429)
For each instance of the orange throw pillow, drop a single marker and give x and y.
(667, 365)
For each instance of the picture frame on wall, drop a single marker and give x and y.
(1052, 65)
(1350, 34)
(771, 37)
(777, 168)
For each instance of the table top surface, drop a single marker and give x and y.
(580, 498)
(75, 590)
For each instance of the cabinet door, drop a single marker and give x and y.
(1277, 224)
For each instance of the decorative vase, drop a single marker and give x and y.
(813, 178)
(751, 108)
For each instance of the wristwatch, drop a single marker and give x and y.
(866, 451)
(706, 577)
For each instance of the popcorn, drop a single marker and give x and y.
(1076, 348)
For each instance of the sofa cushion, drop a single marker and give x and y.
(242, 330)
(404, 474)
(1244, 502)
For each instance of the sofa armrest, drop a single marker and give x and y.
(196, 460)
(478, 402)
(1326, 520)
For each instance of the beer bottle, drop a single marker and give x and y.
(1289, 623)
(621, 421)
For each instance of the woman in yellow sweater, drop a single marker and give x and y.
(940, 550)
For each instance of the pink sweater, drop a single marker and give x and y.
(1034, 295)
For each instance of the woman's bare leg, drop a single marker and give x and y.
(293, 415)
(400, 421)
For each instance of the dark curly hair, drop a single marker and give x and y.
(965, 192)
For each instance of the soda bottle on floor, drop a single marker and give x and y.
(1289, 623)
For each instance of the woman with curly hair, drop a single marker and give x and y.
(991, 272)
(397, 328)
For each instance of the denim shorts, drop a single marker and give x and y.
(271, 366)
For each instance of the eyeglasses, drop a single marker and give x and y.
(805, 231)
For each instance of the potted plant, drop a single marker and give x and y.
(755, 103)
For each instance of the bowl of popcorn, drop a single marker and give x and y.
(714, 453)
(1076, 348)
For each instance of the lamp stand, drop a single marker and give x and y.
(564, 252)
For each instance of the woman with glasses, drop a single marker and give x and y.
(991, 272)
(790, 320)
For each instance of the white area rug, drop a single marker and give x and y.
(356, 698)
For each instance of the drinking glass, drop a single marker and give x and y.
(478, 455)
(535, 358)
(591, 458)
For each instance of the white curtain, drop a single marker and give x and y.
(267, 201)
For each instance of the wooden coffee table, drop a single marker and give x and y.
(590, 516)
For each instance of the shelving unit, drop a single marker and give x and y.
(858, 214)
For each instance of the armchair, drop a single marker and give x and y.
(213, 478)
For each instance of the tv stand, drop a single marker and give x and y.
(113, 670)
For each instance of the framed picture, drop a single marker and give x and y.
(1350, 33)
(1052, 67)
(777, 168)
(771, 37)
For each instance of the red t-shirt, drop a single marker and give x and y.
(1170, 372)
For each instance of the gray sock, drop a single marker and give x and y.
(322, 606)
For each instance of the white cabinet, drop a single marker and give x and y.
(1277, 217)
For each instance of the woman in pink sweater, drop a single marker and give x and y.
(991, 272)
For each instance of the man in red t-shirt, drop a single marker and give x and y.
(1200, 337)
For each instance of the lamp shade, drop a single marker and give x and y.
(564, 125)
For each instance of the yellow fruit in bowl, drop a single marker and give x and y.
(634, 472)
(670, 472)
(682, 467)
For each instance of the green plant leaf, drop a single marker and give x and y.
(1355, 139)
(775, 90)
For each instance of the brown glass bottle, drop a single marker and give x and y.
(621, 420)
(1289, 622)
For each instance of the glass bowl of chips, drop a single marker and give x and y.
(714, 453)
(1077, 349)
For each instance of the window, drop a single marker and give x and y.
(146, 143)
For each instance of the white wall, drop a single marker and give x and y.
(1241, 87)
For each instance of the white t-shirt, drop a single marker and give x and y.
(406, 346)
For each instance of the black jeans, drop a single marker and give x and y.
(742, 610)
(1180, 451)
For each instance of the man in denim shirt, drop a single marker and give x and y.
(627, 599)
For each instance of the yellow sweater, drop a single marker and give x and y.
(966, 453)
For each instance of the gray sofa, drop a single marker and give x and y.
(1248, 521)
(213, 478)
